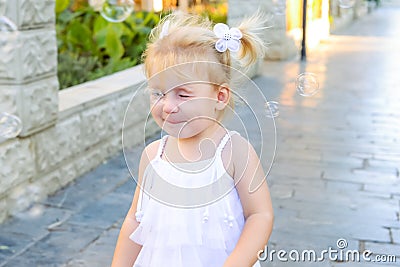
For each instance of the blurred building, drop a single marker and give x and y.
(284, 34)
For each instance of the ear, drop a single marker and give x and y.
(223, 96)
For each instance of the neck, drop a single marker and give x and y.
(210, 133)
(202, 145)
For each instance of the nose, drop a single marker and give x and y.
(170, 105)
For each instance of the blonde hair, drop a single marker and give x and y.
(190, 38)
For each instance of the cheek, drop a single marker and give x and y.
(155, 111)
(199, 107)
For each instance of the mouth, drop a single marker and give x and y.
(172, 121)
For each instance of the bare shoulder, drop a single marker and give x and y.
(239, 141)
(236, 154)
(150, 152)
(241, 147)
(243, 155)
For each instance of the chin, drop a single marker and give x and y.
(180, 133)
(182, 130)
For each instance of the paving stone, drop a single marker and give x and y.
(281, 191)
(318, 244)
(389, 155)
(361, 155)
(29, 227)
(297, 264)
(296, 181)
(381, 195)
(305, 172)
(103, 213)
(362, 264)
(384, 253)
(11, 243)
(393, 188)
(383, 248)
(101, 180)
(395, 235)
(360, 176)
(342, 186)
(98, 253)
(287, 240)
(58, 247)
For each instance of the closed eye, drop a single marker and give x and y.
(156, 93)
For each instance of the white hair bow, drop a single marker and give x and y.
(164, 29)
(229, 38)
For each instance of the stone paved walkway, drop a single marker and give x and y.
(336, 171)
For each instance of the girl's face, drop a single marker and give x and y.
(183, 109)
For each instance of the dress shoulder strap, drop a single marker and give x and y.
(224, 141)
(161, 146)
(139, 209)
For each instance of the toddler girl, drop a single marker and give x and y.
(193, 206)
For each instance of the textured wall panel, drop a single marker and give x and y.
(17, 163)
(99, 123)
(38, 105)
(8, 99)
(29, 56)
(58, 143)
(31, 14)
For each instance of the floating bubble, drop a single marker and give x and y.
(272, 109)
(6, 25)
(346, 3)
(10, 125)
(307, 84)
(117, 10)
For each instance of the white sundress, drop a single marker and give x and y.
(190, 213)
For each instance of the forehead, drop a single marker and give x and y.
(179, 75)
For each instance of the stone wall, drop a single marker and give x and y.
(65, 134)
(87, 132)
(28, 89)
(28, 64)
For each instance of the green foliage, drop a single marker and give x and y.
(61, 5)
(90, 47)
(216, 12)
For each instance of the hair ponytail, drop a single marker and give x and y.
(252, 44)
(182, 38)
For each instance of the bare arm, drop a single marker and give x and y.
(257, 205)
(126, 251)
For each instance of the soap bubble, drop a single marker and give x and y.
(307, 84)
(10, 125)
(346, 3)
(272, 109)
(6, 25)
(117, 10)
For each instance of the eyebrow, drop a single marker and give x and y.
(178, 88)
(182, 87)
(186, 89)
